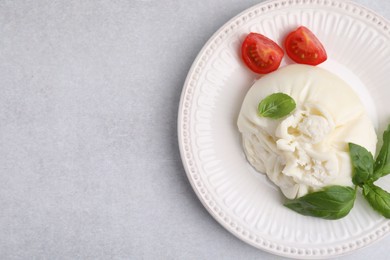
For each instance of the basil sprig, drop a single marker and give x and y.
(362, 164)
(382, 163)
(276, 105)
(366, 172)
(334, 202)
(378, 198)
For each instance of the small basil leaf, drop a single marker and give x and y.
(276, 105)
(333, 202)
(378, 198)
(362, 164)
(382, 163)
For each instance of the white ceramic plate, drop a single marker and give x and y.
(243, 201)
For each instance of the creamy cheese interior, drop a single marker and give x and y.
(308, 149)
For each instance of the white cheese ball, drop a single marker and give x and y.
(308, 149)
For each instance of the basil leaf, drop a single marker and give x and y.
(378, 198)
(382, 163)
(362, 164)
(276, 105)
(333, 202)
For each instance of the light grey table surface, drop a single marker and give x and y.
(89, 160)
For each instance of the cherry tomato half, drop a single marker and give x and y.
(302, 46)
(260, 54)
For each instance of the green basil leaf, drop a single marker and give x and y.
(378, 198)
(333, 202)
(362, 164)
(276, 105)
(382, 163)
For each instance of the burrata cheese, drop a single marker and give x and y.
(308, 149)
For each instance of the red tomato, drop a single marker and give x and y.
(261, 54)
(302, 46)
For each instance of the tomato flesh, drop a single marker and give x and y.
(261, 54)
(302, 46)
